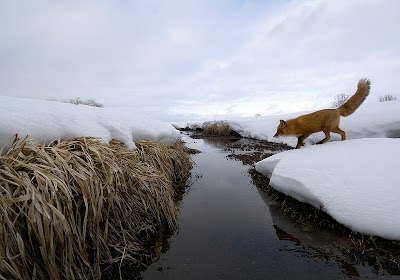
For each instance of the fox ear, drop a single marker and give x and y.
(283, 122)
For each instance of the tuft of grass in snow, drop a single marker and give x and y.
(70, 209)
(216, 130)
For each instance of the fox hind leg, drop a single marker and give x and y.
(341, 132)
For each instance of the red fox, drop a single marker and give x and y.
(324, 120)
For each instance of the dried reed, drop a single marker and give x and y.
(223, 130)
(71, 208)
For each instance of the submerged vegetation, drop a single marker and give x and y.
(76, 208)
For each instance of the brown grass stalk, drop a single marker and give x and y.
(71, 208)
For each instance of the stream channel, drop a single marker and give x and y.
(228, 229)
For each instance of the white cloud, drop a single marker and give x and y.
(190, 57)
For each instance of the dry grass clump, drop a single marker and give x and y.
(75, 206)
(223, 130)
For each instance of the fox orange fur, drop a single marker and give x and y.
(326, 120)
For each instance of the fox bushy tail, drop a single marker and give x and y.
(355, 101)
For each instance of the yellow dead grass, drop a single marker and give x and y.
(222, 130)
(70, 208)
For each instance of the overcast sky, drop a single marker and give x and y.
(207, 59)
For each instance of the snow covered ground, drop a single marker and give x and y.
(356, 181)
(48, 120)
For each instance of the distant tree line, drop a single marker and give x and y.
(77, 100)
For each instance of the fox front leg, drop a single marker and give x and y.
(300, 142)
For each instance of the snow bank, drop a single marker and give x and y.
(52, 120)
(371, 120)
(357, 182)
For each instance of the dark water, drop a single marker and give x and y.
(227, 230)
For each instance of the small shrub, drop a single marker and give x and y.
(387, 97)
(77, 100)
(339, 100)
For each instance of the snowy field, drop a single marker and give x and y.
(48, 120)
(356, 181)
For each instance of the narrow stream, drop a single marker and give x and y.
(228, 231)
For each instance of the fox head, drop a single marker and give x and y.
(281, 130)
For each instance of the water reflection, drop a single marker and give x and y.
(283, 235)
(314, 242)
(230, 229)
(219, 143)
(305, 232)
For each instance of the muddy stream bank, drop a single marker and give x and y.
(232, 225)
